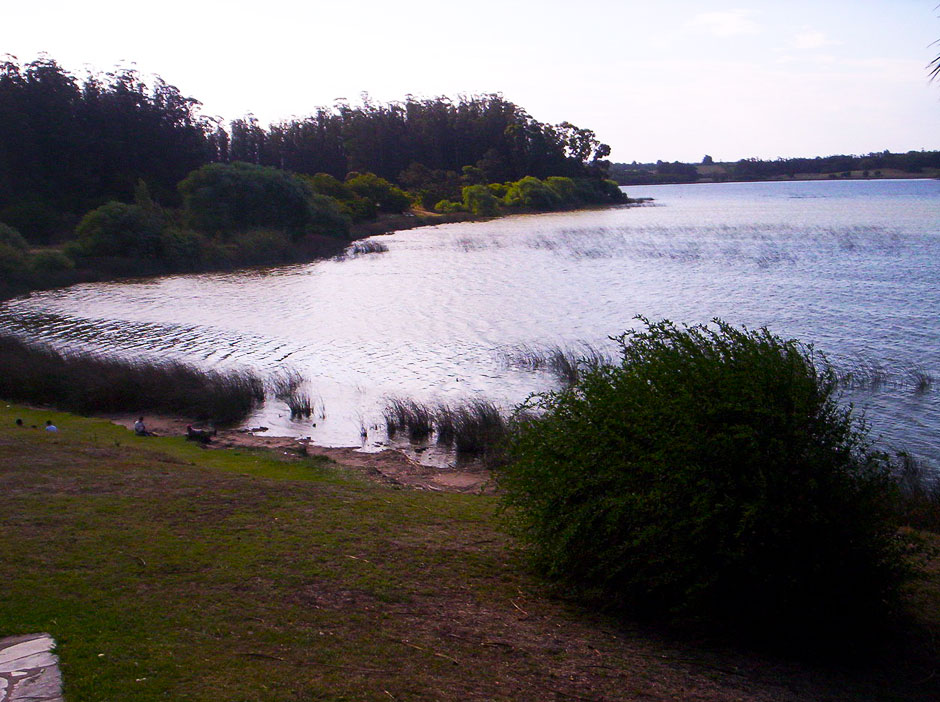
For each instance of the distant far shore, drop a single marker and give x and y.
(881, 165)
(932, 174)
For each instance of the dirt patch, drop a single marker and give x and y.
(389, 466)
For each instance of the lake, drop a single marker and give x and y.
(852, 267)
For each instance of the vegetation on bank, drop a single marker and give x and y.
(89, 384)
(913, 164)
(115, 176)
(473, 428)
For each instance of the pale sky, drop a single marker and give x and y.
(655, 79)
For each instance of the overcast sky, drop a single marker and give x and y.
(663, 79)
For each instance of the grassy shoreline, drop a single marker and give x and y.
(168, 572)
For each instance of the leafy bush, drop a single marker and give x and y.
(448, 207)
(34, 218)
(531, 193)
(12, 261)
(478, 200)
(499, 190)
(46, 262)
(224, 198)
(12, 238)
(564, 188)
(354, 206)
(184, 249)
(119, 230)
(709, 476)
(386, 196)
(261, 247)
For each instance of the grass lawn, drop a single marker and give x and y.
(167, 571)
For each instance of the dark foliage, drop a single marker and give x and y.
(67, 146)
(225, 198)
(87, 384)
(483, 131)
(919, 486)
(709, 476)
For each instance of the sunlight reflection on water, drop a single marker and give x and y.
(848, 266)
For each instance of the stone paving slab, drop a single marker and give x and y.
(29, 670)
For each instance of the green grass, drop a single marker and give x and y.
(169, 571)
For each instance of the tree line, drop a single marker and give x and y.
(115, 175)
(873, 165)
(69, 144)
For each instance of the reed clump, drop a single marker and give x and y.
(285, 386)
(409, 417)
(873, 376)
(475, 427)
(86, 383)
(564, 362)
(921, 379)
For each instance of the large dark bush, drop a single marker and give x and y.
(711, 476)
(121, 230)
(226, 198)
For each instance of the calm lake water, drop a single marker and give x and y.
(851, 267)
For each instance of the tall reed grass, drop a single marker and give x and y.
(564, 362)
(85, 383)
(873, 376)
(475, 427)
(285, 386)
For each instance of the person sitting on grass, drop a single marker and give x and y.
(50, 426)
(140, 428)
(200, 435)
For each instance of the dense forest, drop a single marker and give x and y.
(115, 174)
(69, 145)
(882, 164)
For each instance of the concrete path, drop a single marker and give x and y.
(29, 670)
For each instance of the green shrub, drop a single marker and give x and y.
(261, 247)
(46, 262)
(12, 238)
(710, 476)
(119, 230)
(184, 249)
(531, 193)
(448, 207)
(478, 200)
(386, 196)
(37, 220)
(499, 190)
(12, 261)
(225, 198)
(352, 205)
(564, 188)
